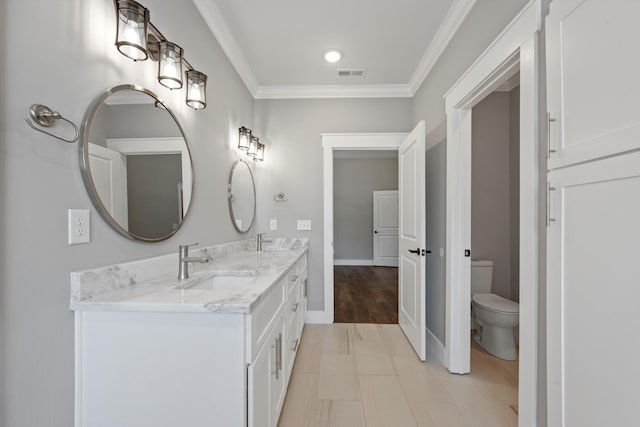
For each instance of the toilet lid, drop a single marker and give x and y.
(496, 303)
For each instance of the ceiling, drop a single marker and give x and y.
(276, 45)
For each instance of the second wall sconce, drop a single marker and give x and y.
(137, 38)
(251, 144)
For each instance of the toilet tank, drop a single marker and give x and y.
(481, 276)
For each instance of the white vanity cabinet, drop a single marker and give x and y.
(156, 367)
(275, 348)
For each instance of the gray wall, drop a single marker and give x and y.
(483, 24)
(491, 187)
(293, 162)
(152, 193)
(354, 181)
(436, 175)
(40, 179)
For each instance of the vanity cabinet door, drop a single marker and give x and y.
(267, 380)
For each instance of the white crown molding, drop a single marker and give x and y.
(456, 15)
(213, 18)
(332, 91)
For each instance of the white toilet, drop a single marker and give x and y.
(494, 316)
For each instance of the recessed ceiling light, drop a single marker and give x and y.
(332, 55)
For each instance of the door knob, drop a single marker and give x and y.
(415, 251)
(376, 231)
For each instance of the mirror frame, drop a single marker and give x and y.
(229, 195)
(85, 169)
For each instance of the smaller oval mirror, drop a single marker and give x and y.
(242, 197)
(135, 163)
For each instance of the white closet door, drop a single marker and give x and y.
(593, 89)
(385, 228)
(593, 289)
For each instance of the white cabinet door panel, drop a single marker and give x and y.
(592, 79)
(593, 292)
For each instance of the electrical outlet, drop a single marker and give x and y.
(79, 226)
(273, 224)
(304, 224)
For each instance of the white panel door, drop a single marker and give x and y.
(109, 173)
(385, 228)
(411, 295)
(593, 284)
(592, 79)
(593, 288)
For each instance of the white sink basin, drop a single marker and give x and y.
(225, 281)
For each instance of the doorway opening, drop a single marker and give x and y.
(365, 213)
(334, 144)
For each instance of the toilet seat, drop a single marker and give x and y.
(496, 303)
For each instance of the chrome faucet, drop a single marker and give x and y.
(259, 240)
(185, 259)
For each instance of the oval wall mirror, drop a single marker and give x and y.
(136, 164)
(242, 197)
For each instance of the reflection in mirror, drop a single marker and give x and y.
(242, 196)
(136, 164)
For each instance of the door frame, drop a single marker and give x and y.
(334, 142)
(516, 47)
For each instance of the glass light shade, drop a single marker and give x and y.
(170, 65)
(260, 154)
(244, 138)
(131, 35)
(196, 89)
(253, 146)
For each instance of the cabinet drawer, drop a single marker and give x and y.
(264, 316)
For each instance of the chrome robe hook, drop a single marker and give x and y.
(45, 117)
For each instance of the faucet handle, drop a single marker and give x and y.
(184, 249)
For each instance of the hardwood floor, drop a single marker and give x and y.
(365, 294)
(357, 375)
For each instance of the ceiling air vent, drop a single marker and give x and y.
(351, 72)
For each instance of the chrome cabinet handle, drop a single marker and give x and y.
(279, 352)
(294, 278)
(549, 121)
(295, 307)
(295, 345)
(278, 362)
(549, 190)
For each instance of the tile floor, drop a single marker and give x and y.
(356, 375)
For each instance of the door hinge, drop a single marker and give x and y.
(467, 253)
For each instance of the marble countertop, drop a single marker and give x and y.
(133, 286)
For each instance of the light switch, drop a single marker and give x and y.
(79, 226)
(304, 224)
(273, 224)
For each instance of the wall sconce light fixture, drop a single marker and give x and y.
(170, 65)
(251, 144)
(260, 154)
(137, 38)
(196, 89)
(131, 36)
(244, 138)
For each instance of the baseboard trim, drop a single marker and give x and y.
(363, 262)
(318, 317)
(435, 349)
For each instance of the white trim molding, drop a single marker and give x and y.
(455, 17)
(213, 18)
(343, 141)
(316, 317)
(355, 262)
(220, 30)
(516, 48)
(435, 349)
